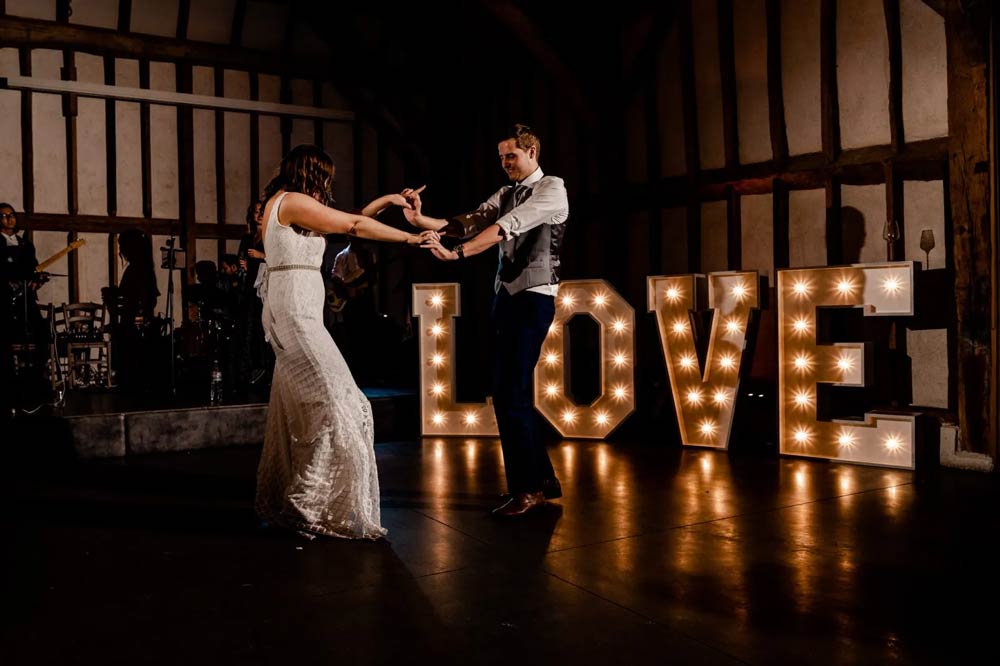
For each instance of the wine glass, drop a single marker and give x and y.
(890, 233)
(927, 244)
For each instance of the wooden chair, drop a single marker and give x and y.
(85, 334)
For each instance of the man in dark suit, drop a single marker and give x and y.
(527, 219)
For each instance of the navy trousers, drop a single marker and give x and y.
(520, 324)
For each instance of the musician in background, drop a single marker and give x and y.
(21, 322)
(19, 281)
(132, 305)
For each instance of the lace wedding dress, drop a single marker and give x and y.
(317, 472)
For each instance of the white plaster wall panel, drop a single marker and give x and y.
(208, 250)
(757, 234)
(925, 71)
(714, 237)
(48, 243)
(11, 184)
(161, 281)
(708, 84)
(338, 141)
(96, 13)
(750, 48)
(800, 75)
(333, 99)
(91, 144)
(205, 195)
(128, 153)
(264, 25)
(270, 129)
(303, 130)
(674, 241)
(862, 73)
(48, 137)
(233, 246)
(806, 228)
(237, 149)
(670, 107)
(923, 208)
(163, 144)
(269, 87)
(93, 267)
(270, 148)
(928, 352)
(37, 9)
(636, 142)
(211, 21)
(867, 202)
(155, 17)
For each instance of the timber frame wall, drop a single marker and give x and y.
(959, 160)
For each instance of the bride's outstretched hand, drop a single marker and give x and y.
(423, 238)
(411, 211)
(440, 251)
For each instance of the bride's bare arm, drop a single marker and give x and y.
(304, 211)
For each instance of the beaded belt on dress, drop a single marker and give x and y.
(292, 267)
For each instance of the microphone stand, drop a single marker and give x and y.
(170, 312)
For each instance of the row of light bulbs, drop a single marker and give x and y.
(704, 398)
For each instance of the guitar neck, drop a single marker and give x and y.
(60, 254)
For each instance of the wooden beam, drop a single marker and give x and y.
(101, 224)
(186, 180)
(834, 235)
(775, 93)
(654, 169)
(27, 137)
(969, 190)
(220, 160)
(254, 138)
(69, 108)
(829, 96)
(183, 18)
(17, 31)
(124, 17)
(111, 167)
(922, 160)
(894, 212)
(936, 5)
(239, 18)
(734, 231)
(727, 74)
(692, 159)
(780, 225)
(145, 144)
(894, 31)
(694, 236)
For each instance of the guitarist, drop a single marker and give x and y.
(20, 320)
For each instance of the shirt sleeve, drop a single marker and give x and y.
(546, 205)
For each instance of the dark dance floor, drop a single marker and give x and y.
(654, 555)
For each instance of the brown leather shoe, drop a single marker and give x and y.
(520, 504)
(551, 489)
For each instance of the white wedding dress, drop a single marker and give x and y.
(317, 472)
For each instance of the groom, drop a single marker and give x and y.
(527, 219)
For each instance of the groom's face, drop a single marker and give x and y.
(518, 163)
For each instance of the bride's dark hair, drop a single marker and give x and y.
(306, 169)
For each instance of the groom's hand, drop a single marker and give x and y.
(440, 251)
(412, 210)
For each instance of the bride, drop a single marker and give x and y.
(317, 473)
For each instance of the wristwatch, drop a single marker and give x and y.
(460, 250)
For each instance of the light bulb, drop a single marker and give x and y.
(673, 293)
(437, 389)
(437, 359)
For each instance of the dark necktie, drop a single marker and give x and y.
(515, 197)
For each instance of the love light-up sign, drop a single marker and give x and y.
(882, 290)
(704, 398)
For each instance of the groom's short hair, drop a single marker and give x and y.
(525, 137)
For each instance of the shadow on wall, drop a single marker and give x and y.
(852, 234)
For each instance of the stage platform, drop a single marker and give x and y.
(112, 424)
